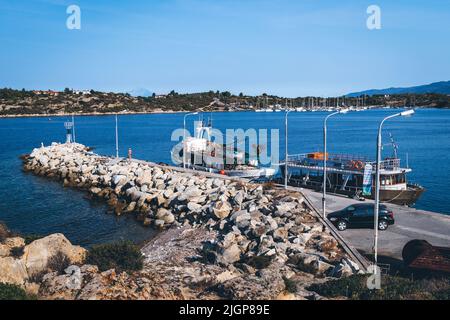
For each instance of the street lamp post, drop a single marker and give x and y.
(184, 136)
(286, 149)
(377, 181)
(117, 138)
(343, 111)
(73, 129)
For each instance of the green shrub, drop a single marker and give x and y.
(31, 237)
(122, 256)
(58, 263)
(4, 232)
(442, 294)
(12, 292)
(16, 252)
(259, 262)
(392, 288)
(350, 287)
(291, 286)
(37, 277)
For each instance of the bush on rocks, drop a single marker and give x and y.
(16, 252)
(392, 288)
(4, 232)
(31, 237)
(58, 263)
(122, 256)
(259, 262)
(12, 292)
(290, 284)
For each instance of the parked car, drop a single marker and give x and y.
(361, 215)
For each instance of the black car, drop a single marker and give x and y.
(361, 215)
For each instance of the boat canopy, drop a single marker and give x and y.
(343, 163)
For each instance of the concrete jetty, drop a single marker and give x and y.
(409, 224)
(252, 220)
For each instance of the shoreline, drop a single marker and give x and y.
(37, 115)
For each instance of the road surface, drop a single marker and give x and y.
(409, 224)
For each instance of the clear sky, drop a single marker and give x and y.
(284, 47)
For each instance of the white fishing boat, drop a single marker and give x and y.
(200, 153)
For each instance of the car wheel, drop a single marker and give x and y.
(341, 225)
(382, 225)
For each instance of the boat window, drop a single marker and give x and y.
(400, 178)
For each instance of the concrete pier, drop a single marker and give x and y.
(409, 224)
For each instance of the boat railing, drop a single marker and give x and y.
(319, 185)
(343, 161)
(388, 164)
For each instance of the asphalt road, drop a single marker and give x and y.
(409, 224)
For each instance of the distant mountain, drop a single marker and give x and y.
(442, 87)
(140, 92)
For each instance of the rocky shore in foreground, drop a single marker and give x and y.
(225, 238)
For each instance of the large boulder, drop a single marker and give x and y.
(12, 271)
(38, 253)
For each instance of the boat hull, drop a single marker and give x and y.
(407, 197)
(247, 173)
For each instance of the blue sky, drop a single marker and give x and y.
(289, 48)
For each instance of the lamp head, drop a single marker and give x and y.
(407, 113)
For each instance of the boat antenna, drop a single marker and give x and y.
(394, 146)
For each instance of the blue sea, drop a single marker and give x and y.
(35, 205)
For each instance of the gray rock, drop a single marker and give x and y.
(280, 234)
(191, 192)
(194, 207)
(239, 198)
(321, 267)
(230, 255)
(221, 209)
(119, 180)
(159, 223)
(285, 207)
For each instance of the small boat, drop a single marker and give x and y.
(204, 155)
(348, 174)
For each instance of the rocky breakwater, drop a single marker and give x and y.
(254, 225)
